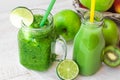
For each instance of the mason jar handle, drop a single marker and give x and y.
(59, 56)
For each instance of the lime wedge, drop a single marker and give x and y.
(21, 14)
(67, 69)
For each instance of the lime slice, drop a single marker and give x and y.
(67, 69)
(21, 14)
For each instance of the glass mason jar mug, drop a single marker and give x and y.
(37, 45)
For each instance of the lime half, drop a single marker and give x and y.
(19, 15)
(67, 69)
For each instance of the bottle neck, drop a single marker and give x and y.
(98, 20)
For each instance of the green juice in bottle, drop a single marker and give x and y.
(88, 46)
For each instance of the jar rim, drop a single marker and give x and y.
(41, 12)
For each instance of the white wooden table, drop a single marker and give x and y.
(10, 69)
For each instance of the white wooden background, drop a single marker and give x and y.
(10, 69)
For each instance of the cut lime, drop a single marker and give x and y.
(67, 69)
(21, 14)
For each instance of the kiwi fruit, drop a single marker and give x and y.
(111, 56)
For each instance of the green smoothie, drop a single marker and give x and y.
(88, 46)
(35, 44)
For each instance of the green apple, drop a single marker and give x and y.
(110, 32)
(101, 5)
(67, 23)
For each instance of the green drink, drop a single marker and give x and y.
(37, 45)
(88, 45)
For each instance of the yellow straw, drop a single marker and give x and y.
(92, 10)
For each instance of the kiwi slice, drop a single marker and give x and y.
(111, 56)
